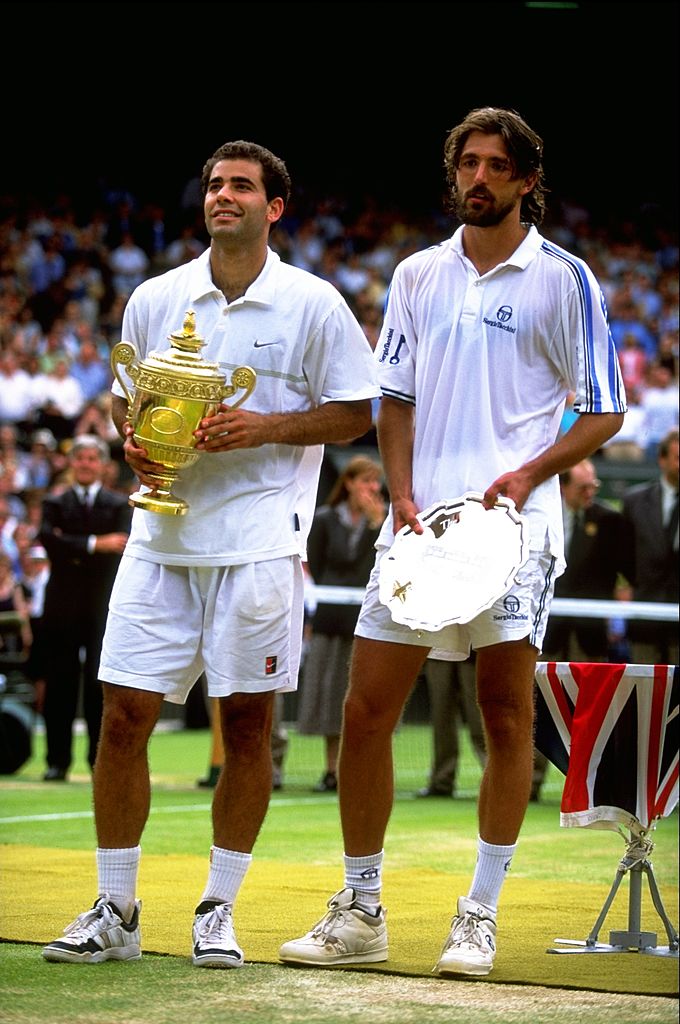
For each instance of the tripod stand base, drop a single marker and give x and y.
(635, 864)
(581, 946)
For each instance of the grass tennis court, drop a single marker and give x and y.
(429, 843)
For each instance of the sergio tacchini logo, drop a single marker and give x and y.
(503, 315)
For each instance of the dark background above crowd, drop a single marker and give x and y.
(357, 98)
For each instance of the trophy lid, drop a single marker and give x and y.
(184, 355)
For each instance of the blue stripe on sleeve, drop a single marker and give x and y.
(585, 294)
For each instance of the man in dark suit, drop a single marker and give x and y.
(84, 531)
(597, 555)
(651, 515)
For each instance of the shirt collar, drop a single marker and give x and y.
(669, 494)
(262, 290)
(87, 493)
(521, 257)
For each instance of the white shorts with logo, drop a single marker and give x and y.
(240, 624)
(521, 612)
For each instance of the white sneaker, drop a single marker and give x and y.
(213, 935)
(471, 945)
(97, 935)
(345, 935)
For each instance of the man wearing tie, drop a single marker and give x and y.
(651, 514)
(596, 555)
(84, 531)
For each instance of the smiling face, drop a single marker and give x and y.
(236, 207)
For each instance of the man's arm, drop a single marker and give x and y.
(395, 441)
(230, 429)
(119, 411)
(588, 433)
(332, 422)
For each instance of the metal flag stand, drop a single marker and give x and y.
(635, 863)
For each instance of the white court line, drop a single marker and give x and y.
(73, 815)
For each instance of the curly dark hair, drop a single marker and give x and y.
(524, 146)
(275, 174)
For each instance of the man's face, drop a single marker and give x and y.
(582, 487)
(87, 466)
(236, 205)
(668, 464)
(487, 191)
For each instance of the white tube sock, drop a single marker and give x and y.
(493, 864)
(228, 868)
(364, 875)
(117, 876)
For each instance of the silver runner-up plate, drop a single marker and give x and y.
(465, 559)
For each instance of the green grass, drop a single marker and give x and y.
(439, 833)
(179, 757)
(167, 990)
(58, 814)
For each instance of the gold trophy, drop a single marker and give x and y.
(174, 391)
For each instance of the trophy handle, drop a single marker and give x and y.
(242, 377)
(122, 353)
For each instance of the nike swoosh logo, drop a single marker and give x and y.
(263, 344)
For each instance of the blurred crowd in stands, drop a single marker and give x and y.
(66, 274)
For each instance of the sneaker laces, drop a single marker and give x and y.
(466, 929)
(100, 916)
(216, 926)
(335, 917)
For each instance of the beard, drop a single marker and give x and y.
(489, 217)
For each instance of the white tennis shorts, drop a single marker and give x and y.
(521, 612)
(240, 624)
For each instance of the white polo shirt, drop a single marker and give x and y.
(488, 363)
(306, 347)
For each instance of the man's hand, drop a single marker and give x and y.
(110, 543)
(230, 429)
(138, 460)
(516, 485)
(404, 513)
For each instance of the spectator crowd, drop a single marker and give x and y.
(66, 274)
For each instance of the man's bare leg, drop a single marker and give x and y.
(505, 685)
(242, 794)
(122, 789)
(381, 677)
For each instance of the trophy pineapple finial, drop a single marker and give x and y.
(186, 339)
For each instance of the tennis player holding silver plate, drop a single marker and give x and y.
(484, 336)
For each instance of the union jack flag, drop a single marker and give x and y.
(613, 731)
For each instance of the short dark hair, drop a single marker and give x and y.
(275, 176)
(666, 442)
(525, 150)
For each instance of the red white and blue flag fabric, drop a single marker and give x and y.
(613, 731)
